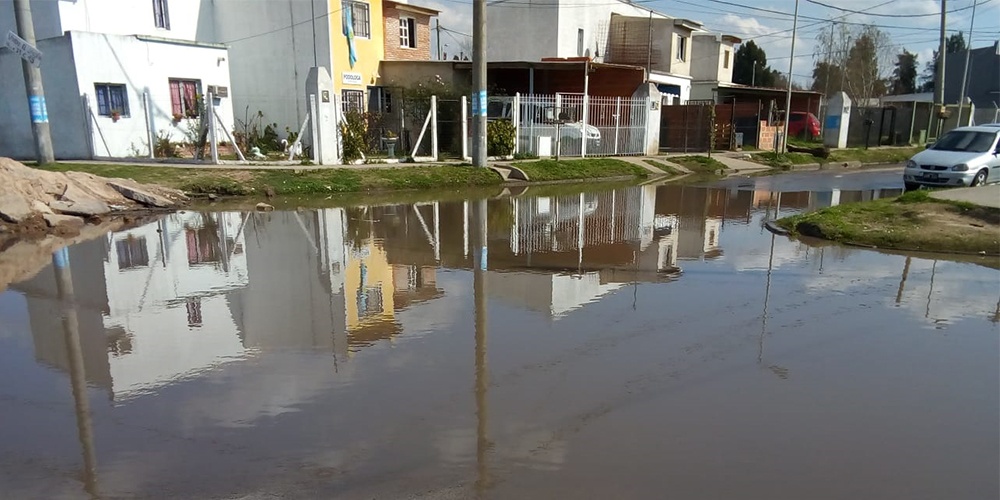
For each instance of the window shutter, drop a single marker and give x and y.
(175, 98)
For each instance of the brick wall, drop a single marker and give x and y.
(393, 51)
(767, 134)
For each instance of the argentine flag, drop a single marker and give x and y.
(352, 56)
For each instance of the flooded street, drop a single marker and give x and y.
(637, 342)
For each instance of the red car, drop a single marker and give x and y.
(803, 124)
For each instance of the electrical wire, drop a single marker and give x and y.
(933, 14)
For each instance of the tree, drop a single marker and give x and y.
(954, 44)
(833, 45)
(751, 59)
(904, 77)
(868, 63)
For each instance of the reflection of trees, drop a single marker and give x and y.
(359, 227)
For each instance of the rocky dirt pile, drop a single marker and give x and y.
(35, 202)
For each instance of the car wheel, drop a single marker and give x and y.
(980, 178)
(911, 186)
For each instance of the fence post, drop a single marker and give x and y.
(583, 130)
(618, 114)
(516, 117)
(465, 128)
(88, 126)
(213, 145)
(434, 127)
(149, 123)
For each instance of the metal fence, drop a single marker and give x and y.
(575, 124)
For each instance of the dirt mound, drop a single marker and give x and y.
(28, 194)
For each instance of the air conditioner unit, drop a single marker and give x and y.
(218, 90)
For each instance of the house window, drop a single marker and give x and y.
(354, 101)
(408, 32)
(359, 16)
(184, 97)
(579, 42)
(132, 252)
(681, 48)
(161, 16)
(379, 100)
(111, 98)
(725, 60)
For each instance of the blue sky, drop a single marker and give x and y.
(744, 19)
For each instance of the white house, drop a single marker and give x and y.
(100, 58)
(674, 51)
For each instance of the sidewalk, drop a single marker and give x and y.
(986, 196)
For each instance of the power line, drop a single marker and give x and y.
(935, 14)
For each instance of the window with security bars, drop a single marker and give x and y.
(111, 98)
(360, 17)
(408, 32)
(353, 101)
(161, 16)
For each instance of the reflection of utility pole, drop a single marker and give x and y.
(902, 281)
(482, 376)
(930, 292)
(78, 380)
(767, 295)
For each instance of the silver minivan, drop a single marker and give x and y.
(966, 156)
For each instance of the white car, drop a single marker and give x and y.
(966, 156)
(537, 120)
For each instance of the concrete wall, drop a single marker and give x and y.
(409, 73)
(532, 31)
(66, 119)
(144, 66)
(393, 50)
(707, 59)
(268, 61)
(189, 19)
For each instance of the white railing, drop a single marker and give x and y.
(547, 124)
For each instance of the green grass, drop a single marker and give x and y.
(913, 221)
(699, 164)
(552, 170)
(664, 167)
(290, 182)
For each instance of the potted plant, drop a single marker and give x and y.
(115, 115)
(178, 117)
(390, 143)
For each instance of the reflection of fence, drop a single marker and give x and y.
(573, 222)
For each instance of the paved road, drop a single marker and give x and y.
(821, 180)
(987, 196)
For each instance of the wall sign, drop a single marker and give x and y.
(351, 78)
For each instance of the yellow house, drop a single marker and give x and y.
(352, 78)
(368, 291)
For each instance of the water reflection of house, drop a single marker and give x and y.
(150, 302)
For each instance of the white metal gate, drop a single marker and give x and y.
(576, 124)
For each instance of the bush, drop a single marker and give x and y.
(500, 137)
(162, 147)
(355, 136)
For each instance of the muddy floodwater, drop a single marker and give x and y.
(636, 342)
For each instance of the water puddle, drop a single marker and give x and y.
(636, 342)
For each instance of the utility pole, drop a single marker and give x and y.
(965, 69)
(939, 72)
(753, 75)
(845, 54)
(439, 38)
(788, 96)
(479, 83)
(33, 86)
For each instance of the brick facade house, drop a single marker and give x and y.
(407, 31)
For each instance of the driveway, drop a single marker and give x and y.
(987, 196)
